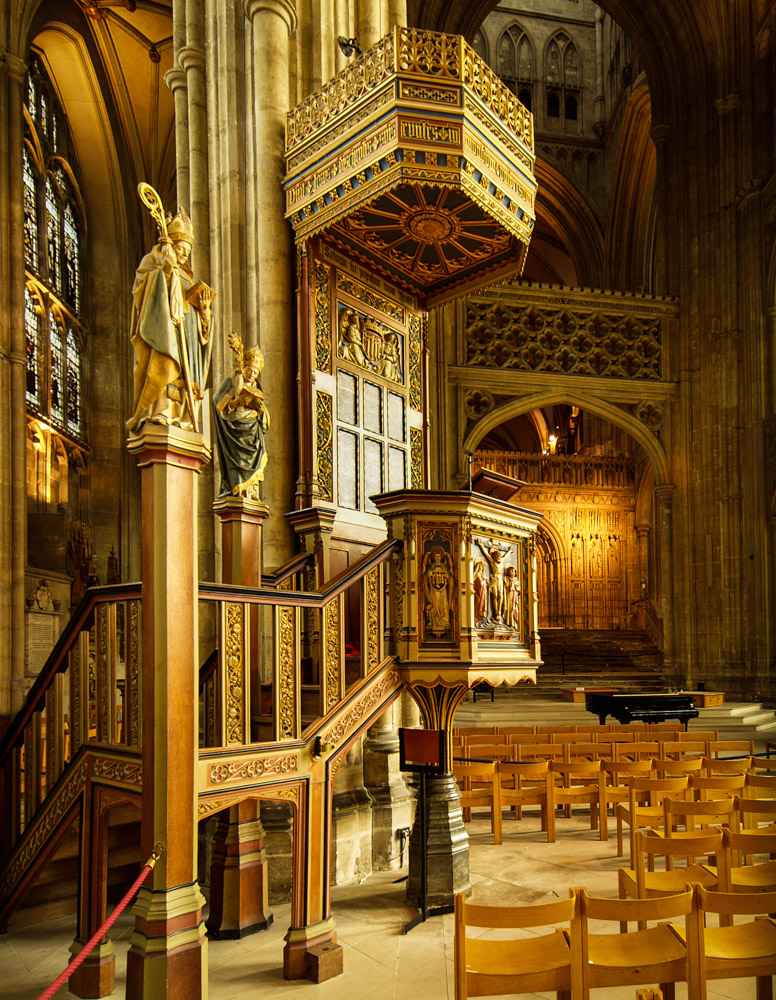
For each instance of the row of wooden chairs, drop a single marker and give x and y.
(576, 957)
(731, 866)
(635, 790)
(615, 727)
(614, 750)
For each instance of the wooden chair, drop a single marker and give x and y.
(612, 788)
(665, 728)
(644, 882)
(549, 729)
(738, 950)
(522, 739)
(728, 765)
(615, 736)
(473, 730)
(670, 768)
(539, 751)
(748, 877)
(755, 814)
(645, 956)
(515, 730)
(584, 749)
(644, 807)
(480, 787)
(683, 749)
(490, 751)
(579, 785)
(639, 750)
(760, 786)
(683, 735)
(485, 966)
(716, 747)
(475, 739)
(528, 784)
(716, 785)
(696, 816)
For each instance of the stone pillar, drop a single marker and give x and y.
(664, 497)
(391, 804)
(397, 14)
(175, 79)
(13, 498)
(192, 60)
(447, 843)
(272, 21)
(239, 878)
(167, 957)
(368, 23)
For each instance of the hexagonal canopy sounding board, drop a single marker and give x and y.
(417, 162)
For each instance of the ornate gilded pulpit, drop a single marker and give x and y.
(409, 183)
(464, 593)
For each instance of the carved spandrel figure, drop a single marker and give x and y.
(437, 589)
(351, 338)
(480, 591)
(511, 597)
(240, 421)
(494, 555)
(171, 330)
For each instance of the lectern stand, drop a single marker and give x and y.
(422, 750)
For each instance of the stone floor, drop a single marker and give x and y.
(381, 963)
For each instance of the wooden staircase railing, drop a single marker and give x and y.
(82, 716)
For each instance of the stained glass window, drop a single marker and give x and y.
(73, 385)
(32, 96)
(32, 348)
(57, 360)
(53, 250)
(52, 236)
(72, 276)
(30, 214)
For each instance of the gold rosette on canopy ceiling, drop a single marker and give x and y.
(418, 162)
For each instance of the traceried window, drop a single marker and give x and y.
(562, 84)
(54, 248)
(516, 64)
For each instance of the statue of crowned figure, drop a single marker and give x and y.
(172, 338)
(172, 326)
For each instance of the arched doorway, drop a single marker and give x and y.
(590, 468)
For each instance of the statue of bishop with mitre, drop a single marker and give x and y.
(172, 326)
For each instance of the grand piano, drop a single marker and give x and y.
(641, 707)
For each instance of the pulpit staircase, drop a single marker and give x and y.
(73, 755)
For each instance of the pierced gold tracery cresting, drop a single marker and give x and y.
(234, 656)
(287, 672)
(324, 445)
(331, 617)
(373, 617)
(322, 318)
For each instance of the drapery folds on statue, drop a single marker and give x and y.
(171, 331)
(240, 421)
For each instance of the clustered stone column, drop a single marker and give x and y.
(13, 493)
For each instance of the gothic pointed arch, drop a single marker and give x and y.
(631, 197)
(572, 397)
(565, 215)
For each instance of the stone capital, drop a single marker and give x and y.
(284, 9)
(191, 58)
(175, 79)
(664, 495)
(231, 508)
(12, 65)
(157, 443)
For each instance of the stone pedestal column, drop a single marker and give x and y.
(391, 804)
(167, 957)
(238, 877)
(447, 843)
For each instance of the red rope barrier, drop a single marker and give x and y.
(89, 946)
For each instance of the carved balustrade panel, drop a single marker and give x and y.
(569, 332)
